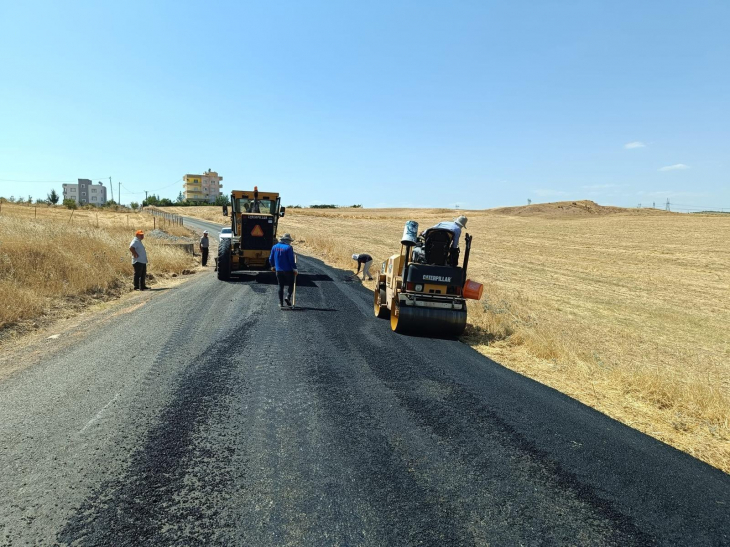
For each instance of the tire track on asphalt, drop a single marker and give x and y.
(161, 491)
(372, 477)
(452, 422)
(625, 485)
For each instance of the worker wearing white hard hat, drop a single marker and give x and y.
(454, 227)
(364, 260)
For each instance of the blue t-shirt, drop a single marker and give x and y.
(282, 258)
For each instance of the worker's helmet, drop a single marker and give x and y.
(461, 221)
(139, 233)
(354, 257)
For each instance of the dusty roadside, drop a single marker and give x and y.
(28, 342)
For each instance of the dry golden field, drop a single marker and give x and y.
(50, 259)
(625, 310)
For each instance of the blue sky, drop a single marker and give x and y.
(392, 103)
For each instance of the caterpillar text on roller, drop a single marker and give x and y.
(423, 290)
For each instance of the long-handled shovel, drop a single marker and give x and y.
(294, 292)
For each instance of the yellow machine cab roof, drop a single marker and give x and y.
(249, 194)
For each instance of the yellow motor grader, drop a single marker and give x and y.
(422, 289)
(254, 221)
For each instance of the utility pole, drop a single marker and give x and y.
(667, 207)
(120, 192)
(112, 187)
(145, 196)
(529, 202)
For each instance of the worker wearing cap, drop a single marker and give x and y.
(204, 243)
(139, 261)
(454, 227)
(282, 262)
(364, 260)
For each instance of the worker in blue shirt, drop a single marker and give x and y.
(283, 263)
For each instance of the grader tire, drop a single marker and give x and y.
(224, 260)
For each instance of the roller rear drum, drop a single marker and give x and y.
(427, 321)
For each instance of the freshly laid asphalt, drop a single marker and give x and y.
(204, 415)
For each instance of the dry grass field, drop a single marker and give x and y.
(627, 311)
(50, 259)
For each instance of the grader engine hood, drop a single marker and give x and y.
(257, 231)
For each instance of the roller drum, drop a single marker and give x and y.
(427, 321)
(381, 309)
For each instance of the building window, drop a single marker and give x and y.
(93, 198)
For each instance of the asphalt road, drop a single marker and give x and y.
(204, 415)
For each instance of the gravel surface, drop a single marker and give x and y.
(159, 234)
(208, 416)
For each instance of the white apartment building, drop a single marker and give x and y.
(85, 192)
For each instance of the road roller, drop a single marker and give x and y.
(423, 289)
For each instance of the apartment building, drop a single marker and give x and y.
(85, 192)
(205, 187)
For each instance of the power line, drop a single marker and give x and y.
(130, 191)
(700, 206)
(90, 178)
(152, 191)
(50, 181)
(168, 186)
(38, 181)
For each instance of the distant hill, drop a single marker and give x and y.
(571, 209)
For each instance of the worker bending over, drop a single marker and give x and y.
(364, 260)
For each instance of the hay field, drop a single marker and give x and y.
(625, 310)
(50, 259)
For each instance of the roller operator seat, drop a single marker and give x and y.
(437, 246)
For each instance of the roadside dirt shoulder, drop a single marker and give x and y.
(28, 342)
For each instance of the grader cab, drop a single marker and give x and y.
(254, 221)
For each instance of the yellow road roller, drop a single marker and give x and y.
(423, 290)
